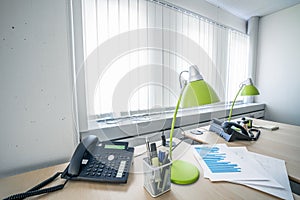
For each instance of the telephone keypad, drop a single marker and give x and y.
(112, 166)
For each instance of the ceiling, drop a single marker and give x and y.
(248, 8)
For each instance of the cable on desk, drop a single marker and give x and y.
(37, 189)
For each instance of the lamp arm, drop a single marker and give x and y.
(180, 82)
(231, 108)
(174, 120)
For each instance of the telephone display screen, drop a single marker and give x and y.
(112, 146)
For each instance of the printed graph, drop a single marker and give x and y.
(216, 161)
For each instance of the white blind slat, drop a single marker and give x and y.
(151, 74)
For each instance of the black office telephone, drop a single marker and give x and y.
(231, 131)
(100, 161)
(92, 161)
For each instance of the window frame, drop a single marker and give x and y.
(79, 73)
(186, 119)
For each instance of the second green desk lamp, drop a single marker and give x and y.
(194, 93)
(246, 89)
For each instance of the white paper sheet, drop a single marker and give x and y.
(260, 172)
(243, 163)
(277, 169)
(242, 152)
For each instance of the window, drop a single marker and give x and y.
(238, 52)
(134, 51)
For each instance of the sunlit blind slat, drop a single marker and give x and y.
(151, 72)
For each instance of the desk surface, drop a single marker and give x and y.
(134, 188)
(283, 143)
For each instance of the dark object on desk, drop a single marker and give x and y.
(247, 122)
(153, 150)
(231, 131)
(39, 189)
(163, 140)
(100, 161)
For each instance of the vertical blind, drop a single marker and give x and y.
(134, 51)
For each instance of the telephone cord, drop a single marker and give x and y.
(37, 189)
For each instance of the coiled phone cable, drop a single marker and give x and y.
(37, 189)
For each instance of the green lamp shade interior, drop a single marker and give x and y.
(198, 93)
(183, 172)
(249, 90)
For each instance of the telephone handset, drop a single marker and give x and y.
(231, 131)
(100, 161)
(87, 144)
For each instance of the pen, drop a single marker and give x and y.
(161, 156)
(155, 161)
(151, 184)
(153, 151)
(166, 160)
(148, 149)
(163, 139)
(157, 175)
(166, 177)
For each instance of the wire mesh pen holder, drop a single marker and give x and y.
(157, 180)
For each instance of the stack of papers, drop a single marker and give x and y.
(238, 165)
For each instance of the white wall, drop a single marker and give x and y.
(210, 11)
(278, 69)
(36, 122)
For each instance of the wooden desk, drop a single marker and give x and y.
(134, 189)
(283, 143)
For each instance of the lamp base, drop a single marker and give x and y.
(183, 173)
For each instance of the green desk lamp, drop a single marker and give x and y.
(246, 89)
(194, 93)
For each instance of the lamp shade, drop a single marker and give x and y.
(249, 90)
(246, 89)
(198, 93)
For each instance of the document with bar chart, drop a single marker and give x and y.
(237, 165)
(217, 162)
(221, 164)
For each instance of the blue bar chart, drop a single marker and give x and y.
(216, 161)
